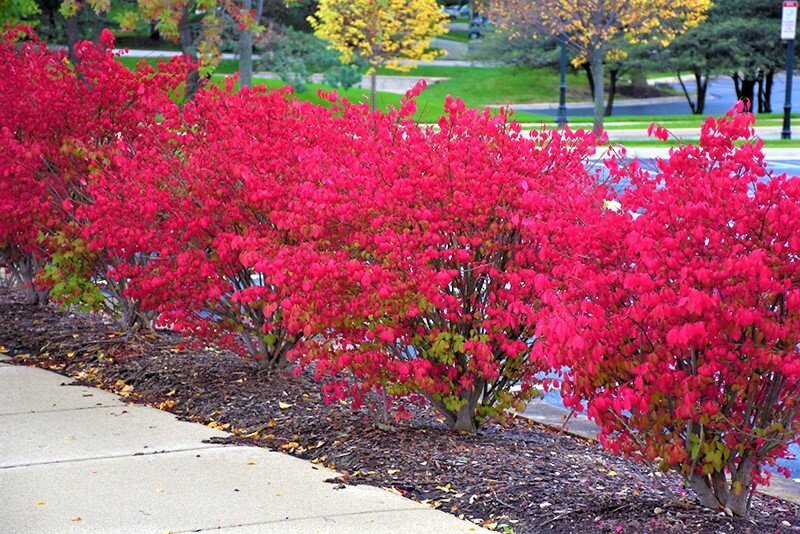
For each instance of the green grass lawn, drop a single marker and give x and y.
(458, 36)
(481, 86)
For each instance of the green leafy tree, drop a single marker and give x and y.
(298, 55)
(14, 12)
(741, 39)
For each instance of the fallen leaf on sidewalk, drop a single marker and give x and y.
(252, 462)
(76, 518)
(159, 490)
(40, 503)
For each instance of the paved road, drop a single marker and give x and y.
(720, 98)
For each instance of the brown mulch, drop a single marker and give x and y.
(632, 91)
(517, 476)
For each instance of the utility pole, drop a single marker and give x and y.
(788, 30)
(561, 120)
(246, 50)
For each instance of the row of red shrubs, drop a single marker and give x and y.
(450, 262)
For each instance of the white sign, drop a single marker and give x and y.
(789, 21)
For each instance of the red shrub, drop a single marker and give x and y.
(432, 249)
(681, 325)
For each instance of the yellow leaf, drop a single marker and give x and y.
(159, 490)
(392, 471)
(166, 405)
(284, 405)
(3, 349)
(252, 462)
(290, 446)
(612, 473)
(171, 393)
(219, 426)
(40, 503)
(70, 354)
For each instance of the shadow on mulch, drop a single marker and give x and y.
(515, 476)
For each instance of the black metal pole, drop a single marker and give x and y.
(787, 106)
(561, 120)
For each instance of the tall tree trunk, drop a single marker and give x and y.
(246, 51)
(749, 93)
(155, 35)
(760, 82)
(737, 85)
(768, 79)
(72, 29)
(187, 48)
(694, 106)
(588, 70)
(613, 74)
(596, 60)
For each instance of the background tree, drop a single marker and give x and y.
(296, 56)
(702, 52)
(740, 39)
(195, 25)
(593, 25)
(14, 12)
(381, 33)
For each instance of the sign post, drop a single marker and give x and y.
(788, 30)
(561, 120)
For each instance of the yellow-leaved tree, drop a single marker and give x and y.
(590, 26)
(394, 34)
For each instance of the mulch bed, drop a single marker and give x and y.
(650, 91)
(517, 476)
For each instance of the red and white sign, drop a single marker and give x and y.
(789, 20)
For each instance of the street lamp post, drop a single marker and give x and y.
(788, 30)
(561, 120)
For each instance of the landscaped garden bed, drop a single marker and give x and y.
(517, 475)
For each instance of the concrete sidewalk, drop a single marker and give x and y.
(79, 459)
